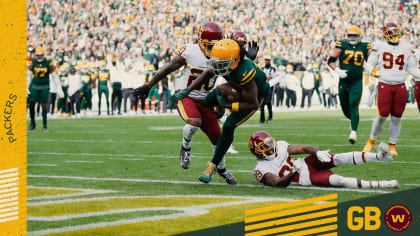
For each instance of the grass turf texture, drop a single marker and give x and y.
(147, 148)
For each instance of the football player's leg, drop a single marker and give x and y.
(399, 100)
(44, 103)
(107, 99)
(33, 97)
(359, 158)
(343, 94)
(350, 182)
(355, 97)
(100, 97)
(187, 109)
(384, 104)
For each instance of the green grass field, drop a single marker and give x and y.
(113, 176)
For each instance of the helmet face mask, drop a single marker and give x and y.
(263, 146)
(221, 66)
(225, 56)
(392, 33)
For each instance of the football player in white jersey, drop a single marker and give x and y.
(195, 59)
(417, 83)
(276, 168)
(389, 61)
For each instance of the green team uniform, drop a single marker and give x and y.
(86, 92)
(103, 78)
(40, 84)
(316, 86)
(350, 89)
(39, 87)
(243, 75)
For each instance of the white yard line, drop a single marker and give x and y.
(189, 211)
(127, 159)
(84, 192)
(198, 183)
(29, 164)
(79, 161)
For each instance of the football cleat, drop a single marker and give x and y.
(45, 129)
(389, 184)
(369, 145)
(185, 157)
(208, 174)
(383, 152)
(352, 137)
(227, 176)
(393, 149)
(31, 127)
(232, 150)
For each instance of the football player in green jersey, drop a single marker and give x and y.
(247, 78)
(352, 53)
(39, 86)
(104, 77)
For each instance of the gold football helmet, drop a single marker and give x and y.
(225, 56)
(354, 35)
(40, 54)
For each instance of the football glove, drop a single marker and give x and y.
(341, 73)
(323, 156)
(221, 99)
(252, 50)
(298, 165)
(182, 94)
(375, 73)
(141, 91)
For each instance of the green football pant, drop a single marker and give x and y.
(350, 95)
(103, 89)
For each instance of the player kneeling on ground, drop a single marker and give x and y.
(276, 168)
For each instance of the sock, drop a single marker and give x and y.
(350, 182)
(44, 118)
(188, 133)
(221, 166)
(394, 129)
(356, 158)
(377, 127)
(32, 112)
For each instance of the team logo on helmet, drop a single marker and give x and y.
(262, 145)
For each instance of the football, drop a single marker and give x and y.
(232, 94)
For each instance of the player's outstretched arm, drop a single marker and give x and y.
(302, 149)
(176, 63)
(276, 181)
(172, 66)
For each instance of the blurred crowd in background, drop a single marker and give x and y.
(135, 38)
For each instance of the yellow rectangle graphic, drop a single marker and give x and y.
(295, 226)
(290, 212)
(291, 204)
(313, 231)
(291, 220)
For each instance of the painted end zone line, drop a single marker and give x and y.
(198, 183)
